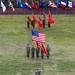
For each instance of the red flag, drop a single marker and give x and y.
(37, 44)
(44, 15)
(41, 47)
(40, 25)
(34, 5)
(50, 15)
(44, 50)
(31, 22)
(50, 19)
(38, 8)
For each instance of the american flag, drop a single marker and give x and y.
(37, 36)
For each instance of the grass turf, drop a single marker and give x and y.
(14, 36)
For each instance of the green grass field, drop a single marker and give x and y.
(13, 39)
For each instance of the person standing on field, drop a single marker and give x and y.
(33, 51)
(37, 52)
(28, 51)
(48, 51)
(44, 22)
(38, 72)
(49, 25)
(42, 54)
